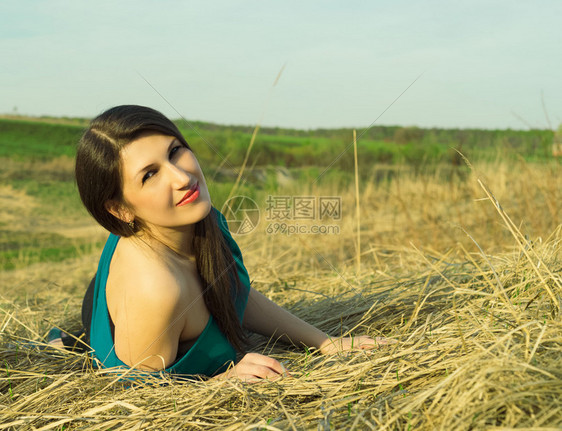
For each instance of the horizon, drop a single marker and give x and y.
(23, 117)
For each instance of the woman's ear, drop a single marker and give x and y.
(119, 211)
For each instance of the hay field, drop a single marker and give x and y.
(463, 270)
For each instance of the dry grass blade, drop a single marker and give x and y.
(357, 207)
(521, 242)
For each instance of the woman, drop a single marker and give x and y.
(171, 292)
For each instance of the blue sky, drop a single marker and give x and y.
(483, 64)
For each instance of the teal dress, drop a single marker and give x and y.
(212, 352)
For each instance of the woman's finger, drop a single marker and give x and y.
(266, 361)
(255, 366)
(384, 340)
(256, 372)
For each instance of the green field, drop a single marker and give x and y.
(26, 139)
(37, 158)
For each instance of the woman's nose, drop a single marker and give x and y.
(178, 177)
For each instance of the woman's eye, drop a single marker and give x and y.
(148, 175)
(175, 150)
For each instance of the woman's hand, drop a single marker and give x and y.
(254, 367)
(362, 342)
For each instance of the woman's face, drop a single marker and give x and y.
(163, 184)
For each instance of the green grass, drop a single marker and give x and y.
(39, 140)
(53, 197)
(34, 140)
(19, 248)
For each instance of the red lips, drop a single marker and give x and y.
(190, 196)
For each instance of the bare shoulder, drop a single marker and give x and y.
(137, 279)
(144, 299)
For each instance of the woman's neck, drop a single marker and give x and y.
(179, 242)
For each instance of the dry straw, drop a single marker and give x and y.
(480, 333)
(358, 207)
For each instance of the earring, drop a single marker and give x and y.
(132, 224)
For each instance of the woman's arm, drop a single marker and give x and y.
(265, 317)
(146, 329)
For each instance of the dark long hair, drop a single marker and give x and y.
(99, 180)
